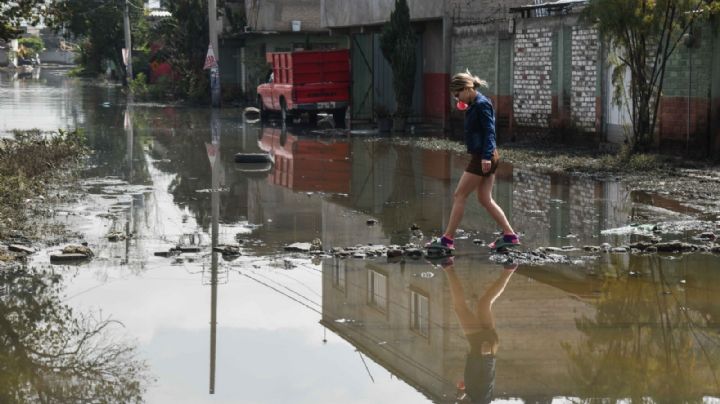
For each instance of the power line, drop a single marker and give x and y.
(281, 292)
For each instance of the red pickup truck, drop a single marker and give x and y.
(307, 81)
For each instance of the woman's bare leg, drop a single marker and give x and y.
(465, 316)
(468, 183)
(484, 194)
(485, 302)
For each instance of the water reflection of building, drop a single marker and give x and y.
(551, 324)
(549, 207)
(402, 184)
(406, 323)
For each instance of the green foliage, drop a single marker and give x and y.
(139, 85)
(143, 90)
(100, 25)
(646, 33)
(185, 38)
(628, 160)
(397, 43)
(33, 44)
(642, 342)
(17, 11)
(22, 177)
(51, 353)
(236, 17)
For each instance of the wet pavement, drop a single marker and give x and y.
(273, 326)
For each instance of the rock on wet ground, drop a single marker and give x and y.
(72, 252)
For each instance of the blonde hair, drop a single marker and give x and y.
(464, 80)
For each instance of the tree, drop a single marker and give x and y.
(185, 36)
(646, 33)
(100, 25)
(14, 13)
(52, 354)
(397, 43)
(643, 342)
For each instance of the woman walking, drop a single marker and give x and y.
(479, 176)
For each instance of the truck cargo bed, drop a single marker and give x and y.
(303, 67)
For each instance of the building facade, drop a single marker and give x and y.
(548, 72)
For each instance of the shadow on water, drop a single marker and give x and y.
(615, 326)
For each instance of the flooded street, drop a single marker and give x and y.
(275, 326)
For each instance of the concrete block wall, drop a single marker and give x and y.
(531, 205)
(685, 115)
(532, 88)
(583, 208)
(277, 15)
(476, 51)
(714, 146)
(562, 66)
(555, 74)
(487, 53)
(584, 78)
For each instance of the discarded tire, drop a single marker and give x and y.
(253, 158)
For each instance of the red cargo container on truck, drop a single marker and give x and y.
(307, 81)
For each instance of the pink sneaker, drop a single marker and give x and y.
(507, 240)
(442, 243)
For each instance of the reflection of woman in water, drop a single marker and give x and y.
(479, 329)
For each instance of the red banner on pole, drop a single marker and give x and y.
(210, 60)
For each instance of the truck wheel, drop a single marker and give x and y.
(285, 115)
(312, 118)
(339, 117)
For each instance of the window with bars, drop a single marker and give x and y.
(339, 276)
(420, 313)
(540, 12)
(377, 290)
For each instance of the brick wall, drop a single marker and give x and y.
(531, 205)
(532, 101)
(476, 51)
(584, 77)
(685, 115)
(677, 118)
(583, 210)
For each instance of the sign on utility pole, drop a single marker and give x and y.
(215, 70)
(128, 45)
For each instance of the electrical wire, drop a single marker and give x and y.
(289, 289)
(281, 292)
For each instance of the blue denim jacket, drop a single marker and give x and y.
(480, 127)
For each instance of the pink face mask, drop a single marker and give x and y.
(461, 106)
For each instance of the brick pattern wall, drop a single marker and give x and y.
(583, 209)
(531, 205)
(677, 118)
(532, 101)
(684, 107)
(477, 52)
(584, 77)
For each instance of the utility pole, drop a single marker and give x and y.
(128, 43)
(215, 70)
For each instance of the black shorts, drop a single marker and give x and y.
(475, 165)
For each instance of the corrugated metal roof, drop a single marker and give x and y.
(549, 4)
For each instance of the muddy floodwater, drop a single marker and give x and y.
(276, 326)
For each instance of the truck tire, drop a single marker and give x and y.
(339, 117)
(313, 118)
(284, 113)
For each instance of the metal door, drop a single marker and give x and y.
(362, 77)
